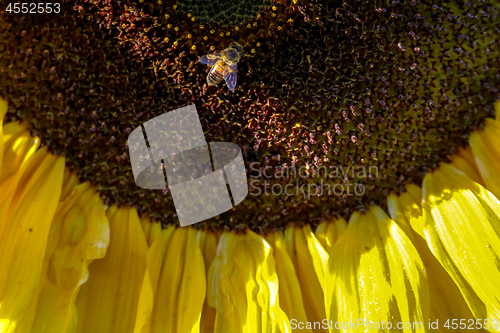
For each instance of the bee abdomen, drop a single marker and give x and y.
(213, 78)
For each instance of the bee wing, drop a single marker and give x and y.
(210, 59)
(230, 77)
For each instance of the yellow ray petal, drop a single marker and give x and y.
(486, 149)
(310, 261)
(146, 227)
(145, 305)
(289, 288)
(464, 161)
(329, 231)
(155, 232)
(178, 277)
(243, 286)
(78, 235)
(53, 238)
(24, 241)
(155, 257)
(70, 181)
(208, 241)
(376, 276)
(152, 229)
(3, 111)
(462, 230)
(18, 147)
(406, 210)
(446, 299)
(110, 299)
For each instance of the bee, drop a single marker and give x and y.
(224, 65)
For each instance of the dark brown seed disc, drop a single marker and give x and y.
(391, 88)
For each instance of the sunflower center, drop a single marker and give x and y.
(223, 12)
(339, 104)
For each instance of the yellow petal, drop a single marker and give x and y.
(243, 286)
(152, 229)
(3, 111)
(78, 235)
(109, 300)
(24, 240)
(18, 147)
(462, 230)
(291, 300)
(328, 232)
(155, 257)
(446, 299)
(486, 149)
(145, 306)
(178, 277)
(146, 227)
(464, 161)
(376, 276)
(208, 241)
(155, 232)
(156, 254)
(310, 261)
(70, 181)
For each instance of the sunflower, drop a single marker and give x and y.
(376, 117)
